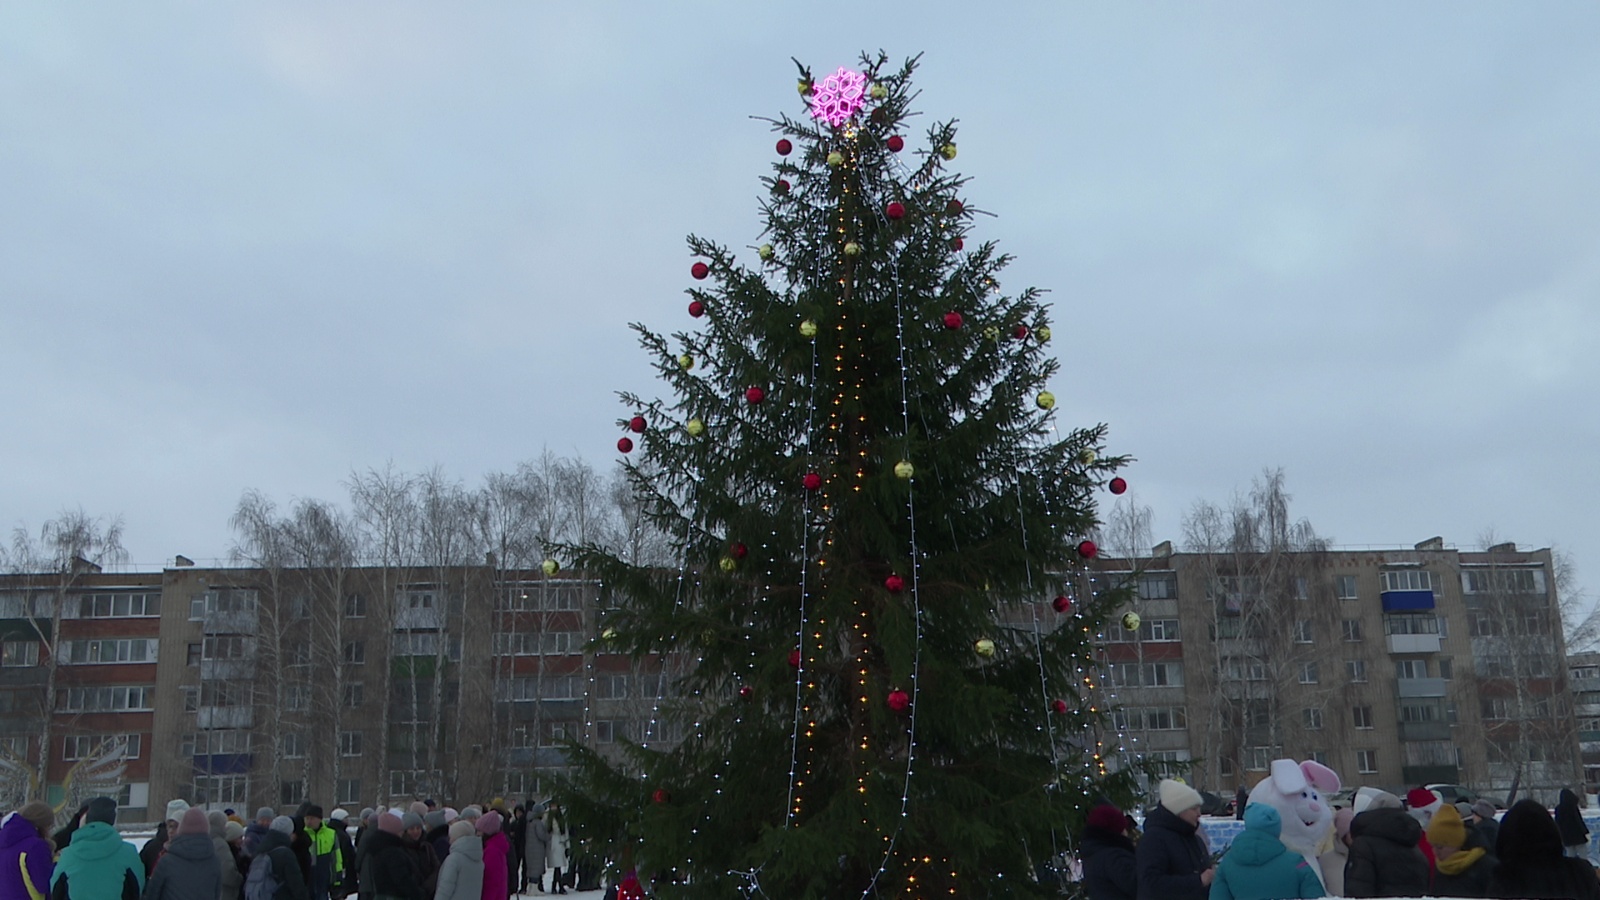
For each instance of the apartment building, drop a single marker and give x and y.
(1583, 671)
(1393, 667)
(249, 687)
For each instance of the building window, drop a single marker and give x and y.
(106, 699)
(1367, 762)
(611, 687)
(1411, 623)
(1158, 587)
(355, 606)
(19, 653)
(1502, 581)
(1312, 718)
(1308, 673)
(89, 746)
(115, 606)
(300, 606)
(1320, 757)
(553, 733)
(216, 742)
(353, 695)
(1419, 712)
(1225, 766)
(1259, 759)
(230, 790)
(294, 745)
(1160, 630)
(221, 601)
(1351, 629)
(1344, 587)
(1447, 668)
(1356, 669)
(1494, 707)
(605, 731)
(291, 793)
(107, 651)
(1303, 631)
(349, 743)
(516, 643)
(231, 646)
(355, 652)
(349, 791)
(297, 698)
(1362, 716)
(1411, 668)
(192, 654)
(191, 697)
(1406, 580)
(1163, 674)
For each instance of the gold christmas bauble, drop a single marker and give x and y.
(948, 151)
(764, 251)
(835, 158)
(904, 469)
(728, 564)
(992, 332)
(808, 329)
(1130, 621)
(1087, 457)
(695, 427)
(550, 566)
(686, 362)
(803, 87)
(879, 92)
(1042, 333)
(852, 249)
(984, 648)
(609, 634)
(1046, 400)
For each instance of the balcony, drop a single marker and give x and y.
(1424, 731)
(224, 669)
(1402, 601)
(1413, 643)
(231, 621)
(1410, 688)
(224, 717)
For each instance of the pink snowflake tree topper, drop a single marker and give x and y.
(839, 97)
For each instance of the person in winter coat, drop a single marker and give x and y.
(516, 829)
(1172, 858)
(232, 881)
(556, 855)
(422, 855)
(1109, 869)
(1532, 862)
(496, 857)
(327, 866)
(1569, 821)
(274, 852)
(99, 864)
(1461, 871)
(27, 858)
(151, 852)
(189, 869)
(1384, 859)
(461, 873)
(1334, 859)
(348, 881)
(256, 830)
(1259, 867)
(393, 867)
(1485, 823)
(536, 849)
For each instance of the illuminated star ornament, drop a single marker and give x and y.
(838, 97)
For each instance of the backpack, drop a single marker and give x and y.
(261, 883)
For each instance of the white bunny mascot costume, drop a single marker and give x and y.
(1296, 791)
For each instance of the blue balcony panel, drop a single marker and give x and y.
(1400, 601)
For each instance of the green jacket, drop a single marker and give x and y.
(98, 865)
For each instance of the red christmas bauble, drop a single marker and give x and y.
(660, 796)
(958, 243)
(755, 394)
(1119, 485)
(894, 584)
(952, 320)
(812, 481)
(625, 445)
(784, 146)
(636, 424)
(1062, 603)
(746, 692)
(896, 143)
(738, 551)
(1087, 549)
(1059, 707)
(898, 700)
(699, 270)
(781, 186)
(697, 308)
(895, 209)
(794, 659)
(954, 207)
(1020, 333)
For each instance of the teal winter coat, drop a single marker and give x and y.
(1258, 867)
(98, 865)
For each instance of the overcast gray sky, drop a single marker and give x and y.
(260, 245)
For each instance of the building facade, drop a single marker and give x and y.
(1393, 667)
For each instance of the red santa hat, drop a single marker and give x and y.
(1423, 799)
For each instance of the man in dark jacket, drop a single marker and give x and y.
(276, 854)
(256, 830)
(436, 832)
(1531, 860)
(98, 864)
(1109, 869)
(1172, 858)
(189, 870)
(394, 875)
(1384, 858)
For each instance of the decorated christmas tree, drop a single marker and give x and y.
(880, 608)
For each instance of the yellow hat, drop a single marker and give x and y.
(1446, 829)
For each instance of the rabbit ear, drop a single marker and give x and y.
(1287, 777)
(1320, 776)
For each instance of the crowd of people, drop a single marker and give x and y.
(421, 852)
(1418, 846)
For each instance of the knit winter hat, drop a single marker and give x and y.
(1107, 818)
(283, 824)
(471, 813)
(1483, 809)
(41, 815)
(418, 807)
(390, 823)
(175, 810)
(434, 819)
(450, 814)
(1261, 817)
(339, 814)
(102, 809)
(194, 822)
(410, 820)
(1178, 797)
(217, 821)
(460, 829)
(266, 812)
(233, 832)
(1446, 829)
(311, 809)
(1464, 809)
(489, 823)
(1421, 798)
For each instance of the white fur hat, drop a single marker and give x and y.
(1177, 796)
